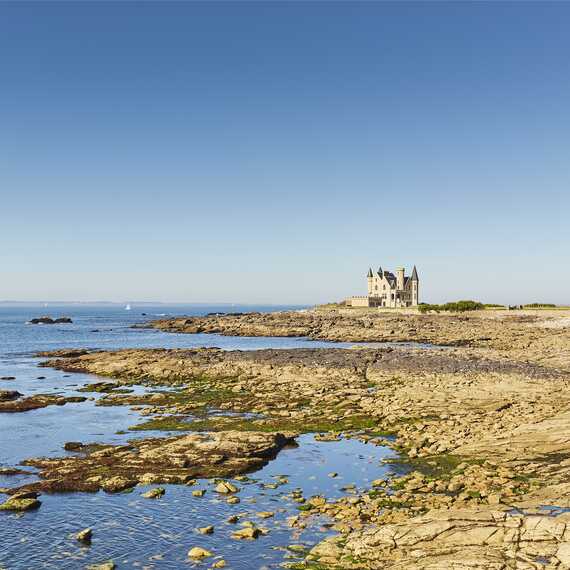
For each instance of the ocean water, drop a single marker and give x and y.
(133, 531)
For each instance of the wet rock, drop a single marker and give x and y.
(225, 487)
(173, 460)
(8, 395)
(205, 529)
(73, 446)
(197, 553)
(18, 403)
(117, 484)
(154, 493)
(63, 353)
(247, 533)
(7, 378)
(13, 471)
(85, 535)
(296, 548)
(20, 504)
(50, 321)
(108, 565)
(219, 564)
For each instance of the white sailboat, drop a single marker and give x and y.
(128, 307)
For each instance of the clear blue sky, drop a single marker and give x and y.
(272, 152)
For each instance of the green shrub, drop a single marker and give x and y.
(456, 307)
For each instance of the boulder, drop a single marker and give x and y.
(247, 533)
(225, 488)
(154, 493)
(20, 504)
(9, 395)
(50, 320)
(84, 535)
(197, 553)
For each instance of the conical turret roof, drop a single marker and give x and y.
(369, 272)
(415, 274)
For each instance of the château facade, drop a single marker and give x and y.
(388, 290)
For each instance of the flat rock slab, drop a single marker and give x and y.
(453, 539)
(18, 403)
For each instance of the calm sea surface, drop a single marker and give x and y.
(137, 532)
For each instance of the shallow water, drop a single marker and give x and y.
(134, 531)
(43, 432)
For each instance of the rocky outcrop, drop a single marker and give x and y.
(64, 353)
(9, 395)
(158, 460)
(538, 336)
(12, 402)
(50, 321)
(21, 501)
(455, 539)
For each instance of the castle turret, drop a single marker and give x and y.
(415, 288)
(400, 278)
(370, 277)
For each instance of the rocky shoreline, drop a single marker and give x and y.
(483, 428)
(541, 336)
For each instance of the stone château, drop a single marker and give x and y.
(388, 290)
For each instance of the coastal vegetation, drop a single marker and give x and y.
(455, 307)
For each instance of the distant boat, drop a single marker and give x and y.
(128, 307)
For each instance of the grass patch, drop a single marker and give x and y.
(223, 423)
(456, 307)
(434, 467)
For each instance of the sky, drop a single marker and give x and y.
(271, 152)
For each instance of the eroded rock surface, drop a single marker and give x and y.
(456, 539)
(114, 468)
(541, 336)
(485, 426)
